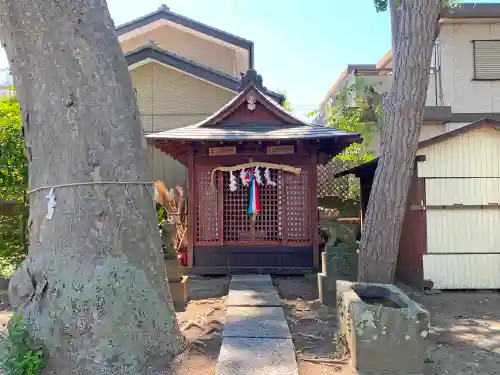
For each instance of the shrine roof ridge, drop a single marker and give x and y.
(281, 126)
(252, 132)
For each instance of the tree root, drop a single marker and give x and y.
(208, 331)
(201, 350)
(190, 324)
(309, 337)
(314, 319)
(211, 300)
(304, 306)
(305, 347)
(328, 361)
(201, 320)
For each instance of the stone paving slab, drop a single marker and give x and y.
(253, 295)
(256, 322)
(256, 356)
(251, 278)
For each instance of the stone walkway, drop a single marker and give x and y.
(256, 339)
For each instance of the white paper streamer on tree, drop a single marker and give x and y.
(233, 182)
(258, 177)
(242, 176)
(51, 204)
(267, 176)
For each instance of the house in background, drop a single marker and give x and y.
(182, 71)
(450, 234)
(464, 82)
(6, 83)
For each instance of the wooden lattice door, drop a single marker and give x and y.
(222, 217)
(239, 227)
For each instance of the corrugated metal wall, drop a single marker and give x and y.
(463, 271)
(462, 184)
(466, 191)
(473, 154)
(468, 230)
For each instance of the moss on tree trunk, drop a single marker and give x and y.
(94, 285)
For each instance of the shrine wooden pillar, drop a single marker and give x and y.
(192, 197)
(313, 189)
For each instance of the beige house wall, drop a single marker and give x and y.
(169, 99)
(215, 55)
(459, 90)
(429, 130)
(452, 83)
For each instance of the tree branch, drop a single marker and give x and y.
(393, 9)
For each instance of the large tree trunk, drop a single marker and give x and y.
(403, 108)
(93, 287)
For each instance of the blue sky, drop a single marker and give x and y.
(301, 47)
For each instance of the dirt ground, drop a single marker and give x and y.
(206, 310)
(201, 324)
(464, 340)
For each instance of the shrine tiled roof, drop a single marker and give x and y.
(257, 131)
(252, 115)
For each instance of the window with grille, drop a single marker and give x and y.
(486, 59)
(284, 217)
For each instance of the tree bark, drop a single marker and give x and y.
(393, 9)
(93, 287)
(403, 108)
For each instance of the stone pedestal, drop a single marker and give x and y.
(385, 330)
(326, 284)
(178, 283)
(179, 290)
(337, 262)
(4, 283)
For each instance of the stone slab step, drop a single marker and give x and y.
(256, 322)
(256, 356)
(251, 278)
(253, 295)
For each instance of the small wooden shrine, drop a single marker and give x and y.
(252, 199)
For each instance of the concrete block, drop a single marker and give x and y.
(179, 291)
(256, 294)
(385, 330)
(172, 264)
(256, 322)
(4, 283)
(256, 356)
(327, 290)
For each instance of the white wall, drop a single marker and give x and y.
(453, 84)
(457, 69)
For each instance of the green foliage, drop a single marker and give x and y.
(13, 163)
(21, 357)
(13, 182)
(346, 111)
(286, 104)
(381, 5)
(162, 214)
